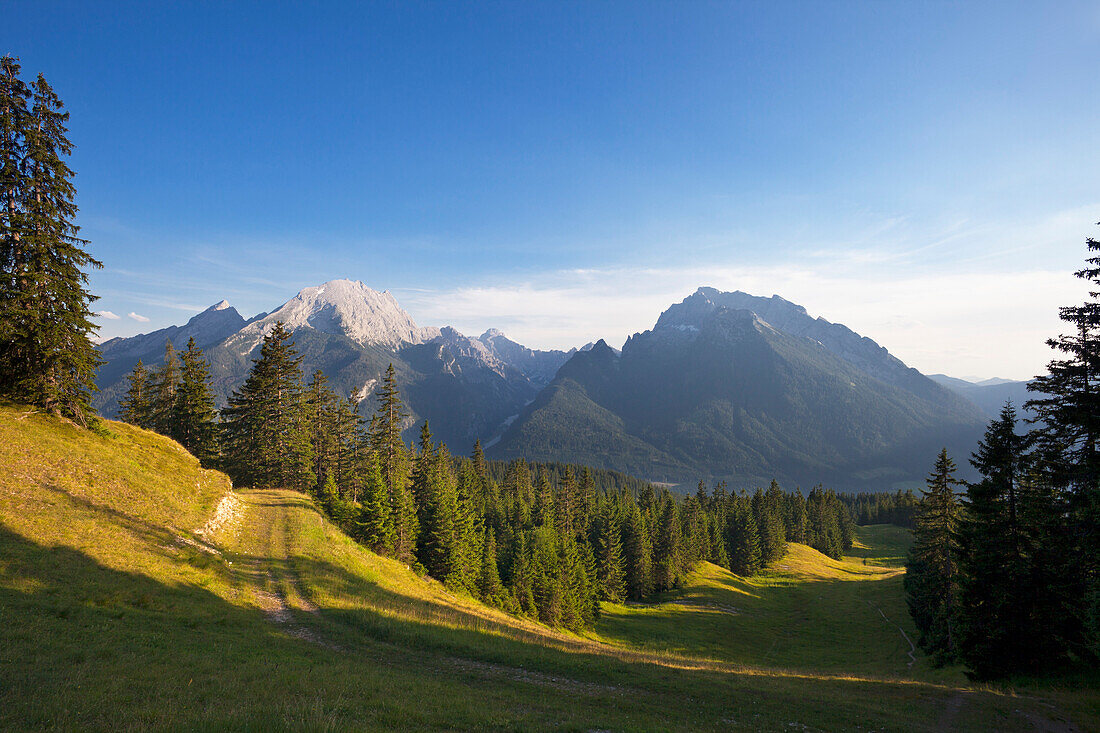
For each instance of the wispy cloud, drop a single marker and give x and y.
(956, 322)
(108, 315)
(137, 317)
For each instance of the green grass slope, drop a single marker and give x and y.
(138, 591)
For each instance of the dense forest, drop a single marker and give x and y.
(1004, 575)
(549, 541)
(897, 508)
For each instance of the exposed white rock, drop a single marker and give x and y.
(366, 391)
(344, 307)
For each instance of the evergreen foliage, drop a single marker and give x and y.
(1067, 453)
(193, 420)
(137, 406)
(164, 381)
(932, 577)
(898, 508)
(267, 436)
(1002, 627)
(376, 513)
(47, 358)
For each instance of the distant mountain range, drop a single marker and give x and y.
(466, 387)
(990, 395)
(725, 386)
(732, 386)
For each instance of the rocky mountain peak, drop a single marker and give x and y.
(343, 307)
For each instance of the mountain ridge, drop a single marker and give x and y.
(716, 390)
(726, 385)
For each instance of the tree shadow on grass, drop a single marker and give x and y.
(86, 646)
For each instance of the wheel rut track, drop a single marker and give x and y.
(274, 581)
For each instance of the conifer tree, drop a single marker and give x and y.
(609, 557)
(932, 574)
(667, 547)
(997, 631)
(165, 381)
(375, 512)
(1067, 442)
(47, 358)
(565, 506)
(319, 401)
(742, 538)
(265, 425)
(765, 509)
(439, 550)
(406, 525)
(823, 523)
(136, 407)
(480, 466)
(192, 416)
(488, 579)
(586, 495)
(385, 434)
(543, 513)
(467, 533)
(637, 552)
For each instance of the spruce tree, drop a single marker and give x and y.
(932, 573)
(1067, 444)
(136, 407)
(638, 553)
(192, 416)
(385, 436)
(586, 496)
(375, 513)
(466, 528)
(769, 524)
(667, 547)
(406, 525)
(47, 358)
(565, 507)
(742, 538)
(609, 557)
(265, 426)
(488, 579)
(165, 381)
(998, 630)
(543, 513)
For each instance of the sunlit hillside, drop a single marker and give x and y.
(139, 591)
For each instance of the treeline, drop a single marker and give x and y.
(604, 479)
(898, 508)
(547, 541)
(1006, 577)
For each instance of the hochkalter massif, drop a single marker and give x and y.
(725, 386)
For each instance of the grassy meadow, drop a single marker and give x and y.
(139, 591)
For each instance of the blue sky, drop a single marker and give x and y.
(925, 173)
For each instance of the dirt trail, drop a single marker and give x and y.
(912, 648)
(272, 581)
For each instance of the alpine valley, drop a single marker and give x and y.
(725, 386)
